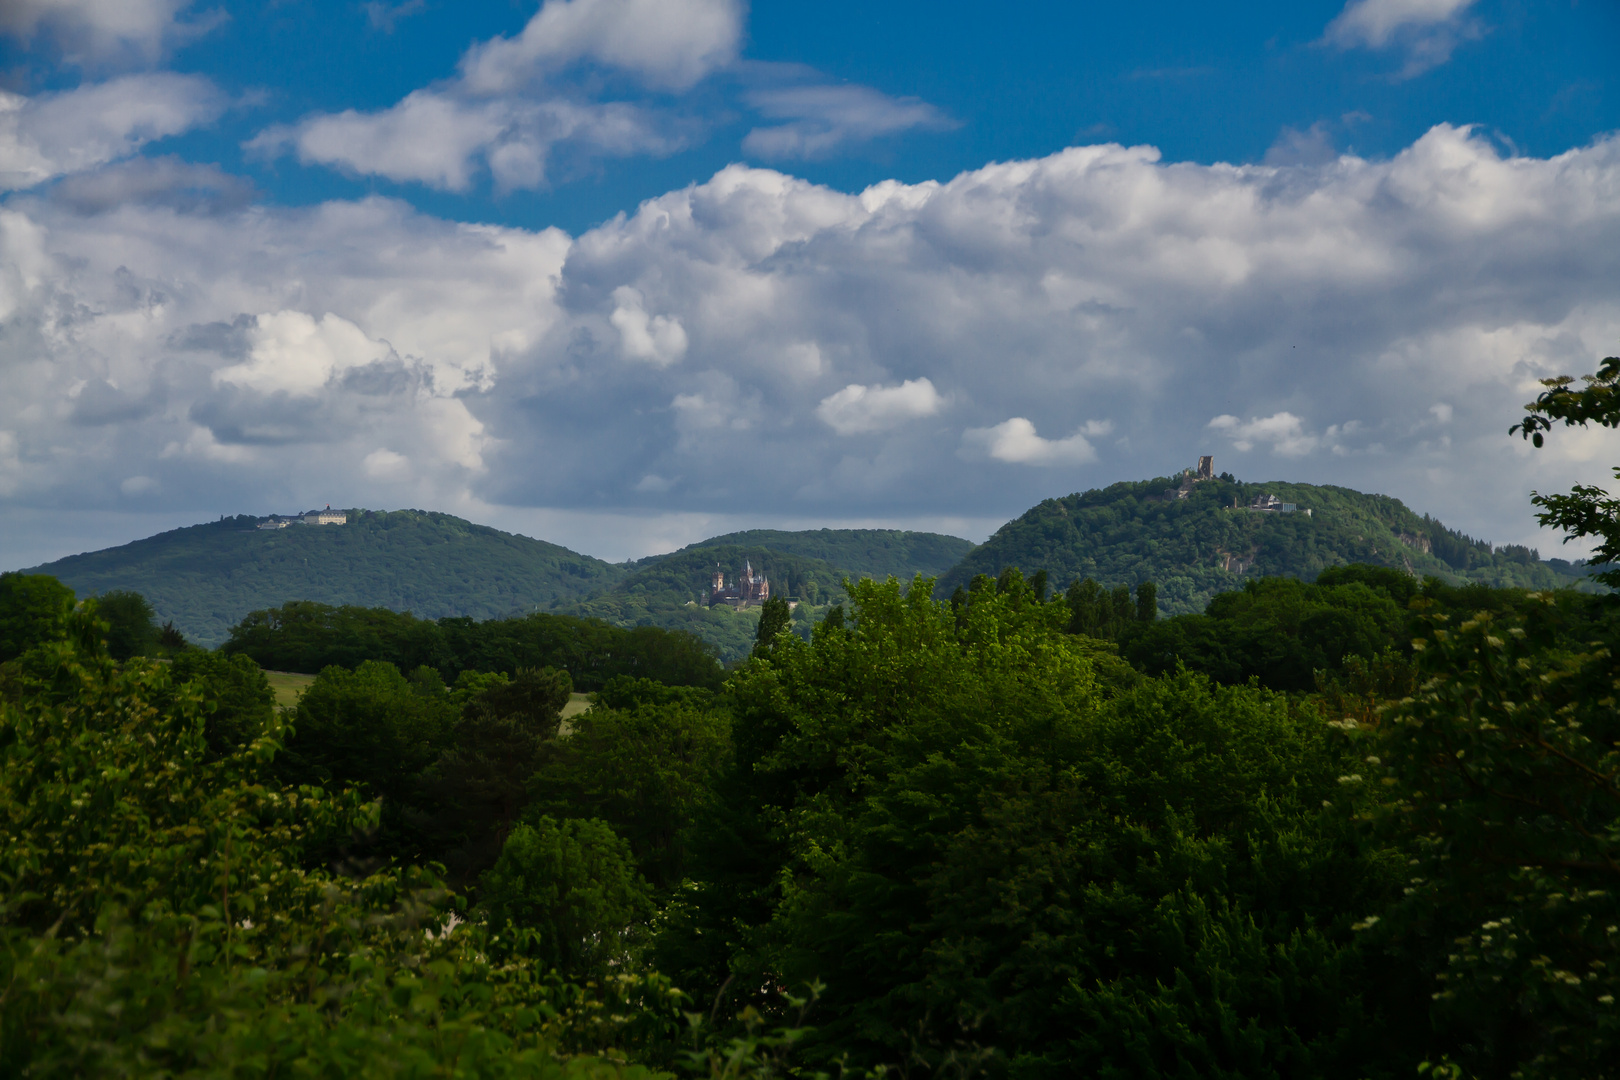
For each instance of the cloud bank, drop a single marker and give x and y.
(764, 346)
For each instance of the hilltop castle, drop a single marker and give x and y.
(328, 516)
(747, 589)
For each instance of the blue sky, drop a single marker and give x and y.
(1204, 83)
(624, 272)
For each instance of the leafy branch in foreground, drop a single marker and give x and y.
(1586, 510)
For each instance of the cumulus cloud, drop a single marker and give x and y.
(257, 358)
(1284, 432)
(669, 44)
(506, 113)
(102, 31)
(857, 409)
(291, 352)
(55, 134)
(1016, 441)
(658, 338)
(443, 140)
(819, 120)
(1427, 30)
(279, 355)
(515, 112)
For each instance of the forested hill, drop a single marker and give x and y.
(207, 577)
(671, 590)
(873, 553)
(1206, 543)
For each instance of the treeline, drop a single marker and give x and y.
(308, 637)
(1341, 830)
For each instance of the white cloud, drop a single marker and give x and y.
(291, 352)
(518, 112)
(55, 134)
(1095, 282)
(822, 119)
(1015, 441)
(1374, 23)
(858, 409)
(505, 112)
(99, 31)
(1428, 30)
(659, 338)
(443, 140)
(1284, 431)
(668, 43)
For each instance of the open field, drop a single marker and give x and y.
(288, 685)
(577, 703)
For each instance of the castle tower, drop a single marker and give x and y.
(1206, 467)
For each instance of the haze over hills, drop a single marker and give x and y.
(1194, 540)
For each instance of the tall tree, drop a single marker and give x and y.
(131, 623)
(34, 609)
(774, 618)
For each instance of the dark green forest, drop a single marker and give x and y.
(1348, 822)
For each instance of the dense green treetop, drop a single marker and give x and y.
(206, 577)
(1196, 547)
(983, 842)
(309, 637)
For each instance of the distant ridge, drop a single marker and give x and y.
(1190, 540)
(873, 553)
(207, 577)
(809, 566)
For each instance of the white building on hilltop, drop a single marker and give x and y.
(328, 516)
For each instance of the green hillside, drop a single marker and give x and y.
(1201, 545)
(670, 591)
(207, 577)
(873, 553)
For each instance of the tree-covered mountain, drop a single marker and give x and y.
(1209, 541)
(873, 553)
(205, 578)
(671, 591)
